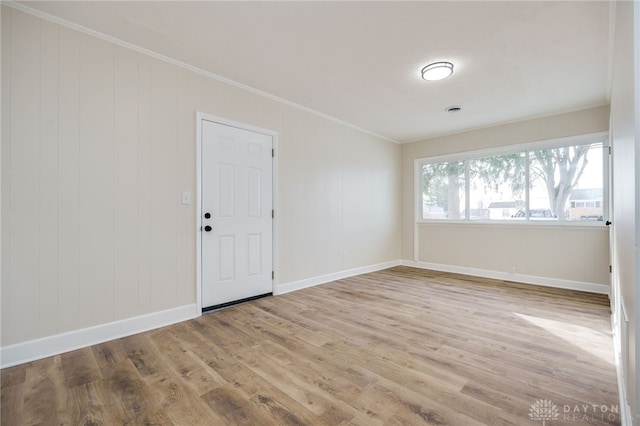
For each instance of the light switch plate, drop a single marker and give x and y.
(186, 197)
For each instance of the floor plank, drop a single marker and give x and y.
(396, 347)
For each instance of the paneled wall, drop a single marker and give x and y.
(98, 142)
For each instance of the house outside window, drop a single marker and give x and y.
(587, 204)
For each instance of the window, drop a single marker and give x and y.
(444, 190)
(546, 182)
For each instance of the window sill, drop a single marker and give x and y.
(596, 225)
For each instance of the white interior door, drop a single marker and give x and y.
(237, 204)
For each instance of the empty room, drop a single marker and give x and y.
(320, 213)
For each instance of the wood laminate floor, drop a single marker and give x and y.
(396, 347)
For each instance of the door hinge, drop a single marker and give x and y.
(273, 153)
(273, 214)
(273, 275)
(609, 149)
(610, 269)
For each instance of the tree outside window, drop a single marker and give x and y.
(545, 184)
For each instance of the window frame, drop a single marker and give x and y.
(599, 137)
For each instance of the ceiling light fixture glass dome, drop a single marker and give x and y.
(437, 71)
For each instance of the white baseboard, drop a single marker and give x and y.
(625, 409)
(323, 279)
(518, 278)
(20, 353)
(53, 345)
(626, 418)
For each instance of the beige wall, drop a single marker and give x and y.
(496, 248)
(337, 197)
(559, 253)
(98, 142)
(625, 141)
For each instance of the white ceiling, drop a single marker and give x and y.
(360, 61)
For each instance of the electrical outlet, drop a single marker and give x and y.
(511, 270)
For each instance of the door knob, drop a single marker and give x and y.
(208, 228)
(207, 215)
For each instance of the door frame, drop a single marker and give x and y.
(200, 117)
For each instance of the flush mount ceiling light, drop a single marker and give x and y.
(437, 71)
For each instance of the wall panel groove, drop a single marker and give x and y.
(5, 154)
(69, 181)
(49, 180)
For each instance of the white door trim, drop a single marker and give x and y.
(200, 116)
